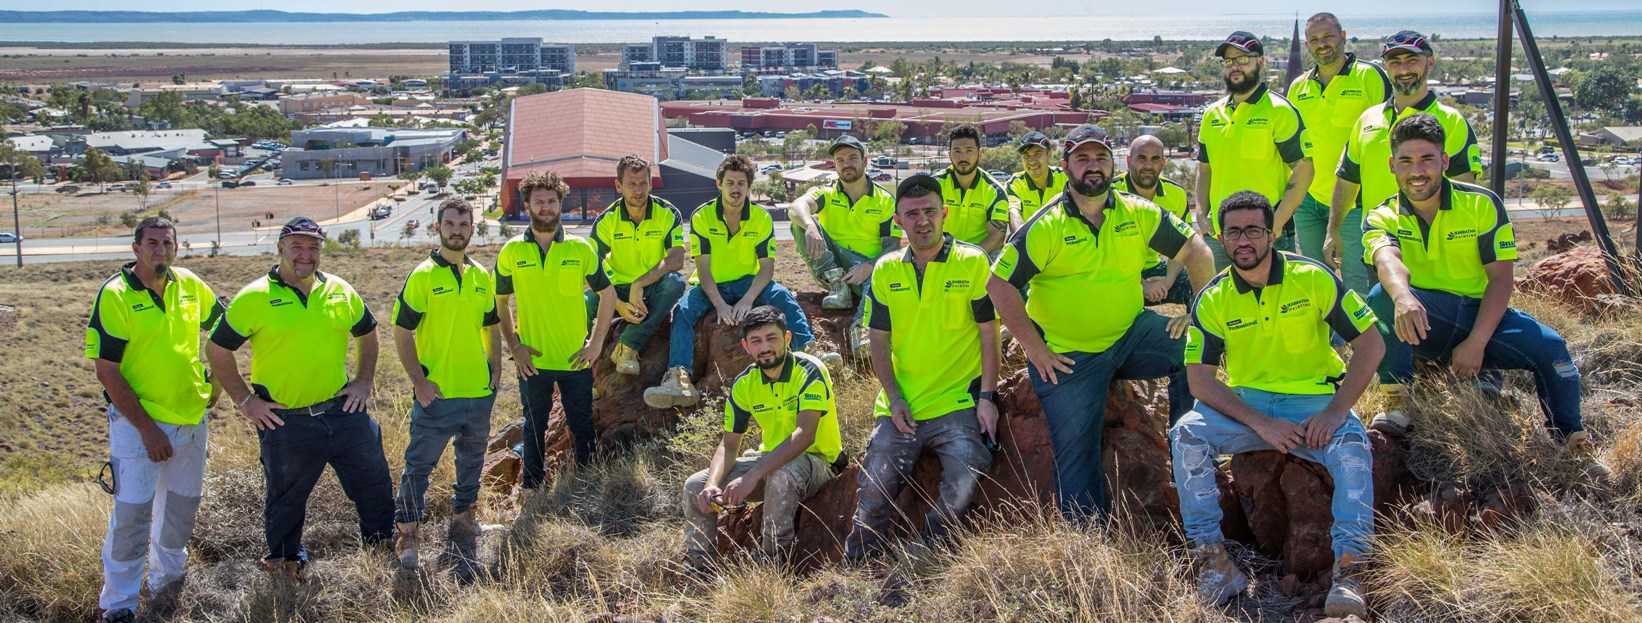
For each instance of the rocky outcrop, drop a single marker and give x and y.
(1578, 277)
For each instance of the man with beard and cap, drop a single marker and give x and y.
(935, 352)
(307, 412)
(1037, 182)
(977, 206)
(1445, 251)
(143, 337)
(1163, 282)
(1085, 323)
(1330, 97)
(553, 275)
(446, 333)
(640, 240)
(1365, 178)
(790, 395)
(1251, 139)
(1268, 322)
(841, 229)
(733, 240)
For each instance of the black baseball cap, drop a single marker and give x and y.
(1085, 134)
(1406, 41)
(1242, 40)
(846, 141)
(301, 226)
(1033, 138)
(918, 180)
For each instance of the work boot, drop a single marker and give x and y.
(1218, 578)
(626, 359)
(1579, 445)
(280, 569)
(123, 615)
(859, 342)
(838, 291)
(464, 530)
(832, 360)
(404, 545)
(1396, 419)
(1345, 595)
(675, 390)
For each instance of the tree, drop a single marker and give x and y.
(20, 164)
(99, 168)
(1605, 88)
(1000, 158)
(439, 174)
(531, 89)
(1552, 196)
(889, 131)
(1619, 206)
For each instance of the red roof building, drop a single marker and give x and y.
(581, 134)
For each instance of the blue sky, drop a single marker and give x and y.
(898, 8)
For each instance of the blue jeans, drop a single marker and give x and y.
(1075, 409)
(1519, 343)
(681, 350)
(467, 421)
(1356, 275)
(294, 456)
(659, 298)
(1204, 433)
(536, 397)
(1310, 225)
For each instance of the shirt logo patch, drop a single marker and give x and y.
(957, 284)
(898, 287)
(1258, 122)
(141, 307)
(1236, 324)
(1293, 306)
(278, 302)
(1125, 227)
(437, 290)
(1462, 233)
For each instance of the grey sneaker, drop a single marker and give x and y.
(1392, 422)
(1218, 578)
(675, 390)
(1345, 595)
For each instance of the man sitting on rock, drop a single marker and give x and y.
(1444, 252)
(790, 395)
(1086, 323)
(1268, 316)
(640, 240)
(840, 229)
(935, 351)
(733, 241)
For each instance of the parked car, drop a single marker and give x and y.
(769, 168)
(883, 161)
(162, 185)
(999, 174)
(285, 181)
(8, 237)
(230, 184)
(244, 183)
(381, 212)
(69, 188)
(116, 187)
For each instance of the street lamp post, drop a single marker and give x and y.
(218, 210)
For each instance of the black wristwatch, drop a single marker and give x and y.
(988, 396)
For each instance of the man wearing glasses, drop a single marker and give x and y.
(1252, 139)
(1268, 322)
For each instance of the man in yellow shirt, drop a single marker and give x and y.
(1037, 183)
(1165, 282)
(640, 240)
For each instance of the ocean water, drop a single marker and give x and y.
(1079, 29)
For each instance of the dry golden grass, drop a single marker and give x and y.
(53, 539)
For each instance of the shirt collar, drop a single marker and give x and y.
(1128, 184)
(1273, 278)
(1048, 177)
(940, 256)
(129, 272)
(440, 261)
(1425, 104)
(621, 209)
(1071, 206)
(1259, 92)
(1345, 68)
(786, 372)
(1407, 207)
(746, 209)
(273, 277)
(951, 173)
(838, 186)
(530, 234)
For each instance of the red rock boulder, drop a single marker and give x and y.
(1578, 277)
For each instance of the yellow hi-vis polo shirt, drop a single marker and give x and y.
(299, 343)
(1275, 338)
(803, 385)
(155, 337)
(931, 315)
(1250, 146)
(1367, 157)
(550, 313)
(1029, 195)
(1085, 293)
(860, 226)
(732, 255)
(970, 211)
(1331, 110)
(1169, 196)
(449, 308)
(1469, 232)
(630, 249)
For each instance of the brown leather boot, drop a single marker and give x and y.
(404, 544)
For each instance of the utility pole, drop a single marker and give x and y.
(218, 195)
(16, 219)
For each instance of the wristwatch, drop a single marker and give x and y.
(988, 396)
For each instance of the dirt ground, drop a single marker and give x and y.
(56, 216)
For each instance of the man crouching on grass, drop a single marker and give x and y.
(790, 395)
